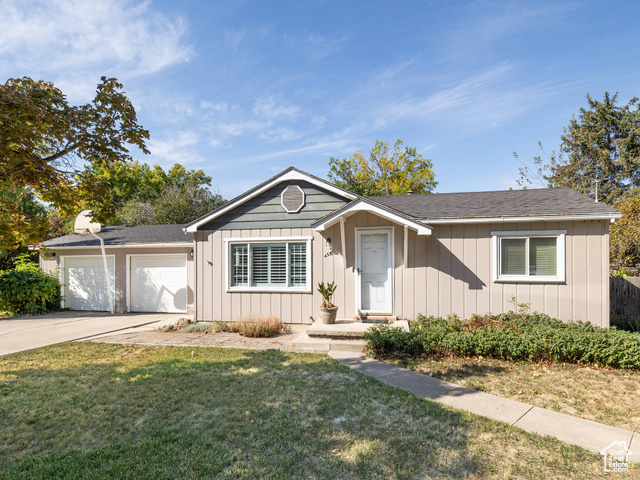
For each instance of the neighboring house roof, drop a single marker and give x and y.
(130, 235)
(290, 173)
(543, 202)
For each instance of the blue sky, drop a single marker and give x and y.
(243, 90)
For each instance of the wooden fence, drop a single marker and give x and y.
(625, 296)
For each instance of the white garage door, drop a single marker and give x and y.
(85, 285)
(158, 283)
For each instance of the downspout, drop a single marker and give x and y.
(343, 243)
(406, 245)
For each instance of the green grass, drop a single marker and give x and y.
(86, 410)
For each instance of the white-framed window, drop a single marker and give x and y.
(274, 264)
(529, 256)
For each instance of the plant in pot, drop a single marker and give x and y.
(328, 310)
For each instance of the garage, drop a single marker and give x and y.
(157, 283)
(85, 285)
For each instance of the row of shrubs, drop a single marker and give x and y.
(27, 290)
(514, 336)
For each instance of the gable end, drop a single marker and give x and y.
(267, 210)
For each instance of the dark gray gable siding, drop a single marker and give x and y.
(265, 210)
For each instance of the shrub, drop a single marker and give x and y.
(257, 326)
(26, 289)
(204, 327)
(514, 336)
(625, 322)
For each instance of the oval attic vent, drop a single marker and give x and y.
(292, 199)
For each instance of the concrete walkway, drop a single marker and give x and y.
(24, 333)
(592, 436)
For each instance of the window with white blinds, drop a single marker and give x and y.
(278, 265)
(530, 256)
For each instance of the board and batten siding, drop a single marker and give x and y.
(49, 265)
(447, 273)
(266, 209)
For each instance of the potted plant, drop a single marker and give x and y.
(328, 310)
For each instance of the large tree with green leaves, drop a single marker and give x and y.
(45, 142)
(135, 193)
(385, 171)
(601, 143)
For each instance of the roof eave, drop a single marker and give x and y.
(612, 217)
(117, 245)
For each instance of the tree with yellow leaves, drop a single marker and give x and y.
(385, 172)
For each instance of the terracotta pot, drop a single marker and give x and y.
(328, 315)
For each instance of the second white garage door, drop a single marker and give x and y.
(158, 283)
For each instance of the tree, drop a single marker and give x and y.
(135, 212)
(44, 141)
(385, 172)
(624, 235)
(602, 143)
(136, 194)
(28, 221)
(183, 202)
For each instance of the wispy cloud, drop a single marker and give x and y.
(315, 45)
(77, 39)
(268, 108)
(175, 147)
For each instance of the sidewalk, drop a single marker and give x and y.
(592, 436)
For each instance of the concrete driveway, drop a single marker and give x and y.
(18, 334)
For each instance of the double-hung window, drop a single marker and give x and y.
(535, 257)
(269, 265)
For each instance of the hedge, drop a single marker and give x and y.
(26, 289)
(514, 336)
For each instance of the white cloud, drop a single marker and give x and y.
(267, 107)
(78, 40)
(234, 129)
(280, 133)
(180, 147)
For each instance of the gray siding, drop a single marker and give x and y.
(265, 210)
(447, 273)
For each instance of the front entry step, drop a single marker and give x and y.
(346, 329)
(376, 318)
(306, 344)
(346, 335)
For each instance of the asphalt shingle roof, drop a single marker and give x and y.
(507, 203)
(124, 235)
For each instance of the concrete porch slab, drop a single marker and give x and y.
(347, 328)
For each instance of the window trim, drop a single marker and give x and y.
(267, 240)
(560, 276)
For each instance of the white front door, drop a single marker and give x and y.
(158, 283)
(375, 271)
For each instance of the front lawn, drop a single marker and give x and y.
(600, 394)
(86, 410)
